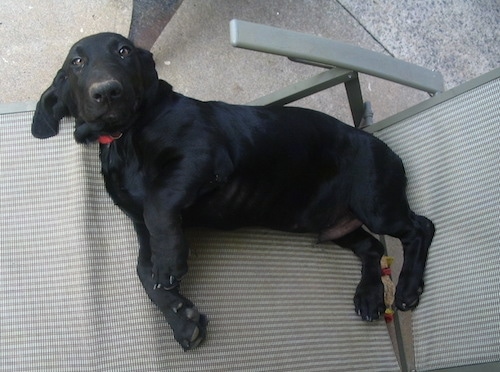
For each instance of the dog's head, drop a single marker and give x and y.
(103, 83)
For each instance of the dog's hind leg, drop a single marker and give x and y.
(416, 239)
(416, 233)
(387, 212)
(187, 323)
(378, 199)
(369, 297)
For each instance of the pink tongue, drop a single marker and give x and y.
(105, 140)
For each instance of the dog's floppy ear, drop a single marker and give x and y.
(149, 74)
(51, 108)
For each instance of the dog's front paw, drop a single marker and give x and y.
(188, 324)
(369, 300)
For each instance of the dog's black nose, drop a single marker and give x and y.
(105, 91)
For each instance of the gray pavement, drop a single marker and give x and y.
(457, 37)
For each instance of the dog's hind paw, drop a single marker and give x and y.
(407, 302)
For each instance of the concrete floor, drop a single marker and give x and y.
(459, 38)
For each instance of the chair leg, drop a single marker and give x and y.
(367, 116)
(149, 18)
(355, 98)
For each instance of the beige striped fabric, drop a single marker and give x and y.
(451, 152)
(70, 300)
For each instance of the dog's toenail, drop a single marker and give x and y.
(177, 307)
(195, 335)
(193, 314)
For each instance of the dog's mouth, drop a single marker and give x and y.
(108, 136)
(106, 126)
(87, 133)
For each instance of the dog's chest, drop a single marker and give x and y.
(124, 179)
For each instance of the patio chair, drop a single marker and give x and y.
(70, 300)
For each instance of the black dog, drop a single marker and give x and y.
(170, 161)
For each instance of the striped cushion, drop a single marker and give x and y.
(451, 154)
(70, 299)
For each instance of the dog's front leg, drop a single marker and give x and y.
(187, 323)
(161, 263)
(369, 297)
(169, 250)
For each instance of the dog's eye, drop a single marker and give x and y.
(124, 51)
(77, 61)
